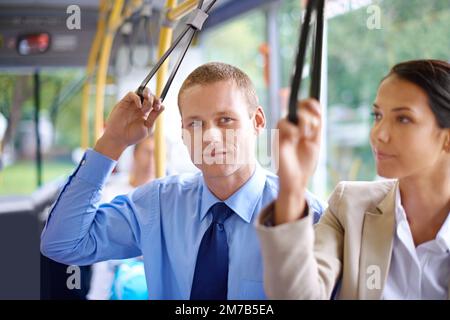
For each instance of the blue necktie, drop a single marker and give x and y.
(211, 270)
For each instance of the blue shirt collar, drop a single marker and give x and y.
(243, 202)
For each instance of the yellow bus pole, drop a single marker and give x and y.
(165, 39)
(181, 10)
(113, 22)
(174, 12)
(90, 70)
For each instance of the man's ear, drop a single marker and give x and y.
(182, 131)
(259, 120)
(447, 141)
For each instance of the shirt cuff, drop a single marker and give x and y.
(95, 168)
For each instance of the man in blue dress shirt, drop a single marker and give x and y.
(195, 231)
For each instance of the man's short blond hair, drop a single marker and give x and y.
(213, 72)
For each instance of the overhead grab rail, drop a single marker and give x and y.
(194, 24)
(316, 8)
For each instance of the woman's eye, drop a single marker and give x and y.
(376, 116)
(403, 119)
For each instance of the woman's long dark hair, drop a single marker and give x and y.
(433, 76)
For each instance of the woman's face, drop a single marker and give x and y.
(405, 137)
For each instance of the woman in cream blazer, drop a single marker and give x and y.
(359, 249)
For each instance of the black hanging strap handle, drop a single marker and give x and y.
(314, 7)
(194, 24)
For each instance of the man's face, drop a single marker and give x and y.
(218, 127)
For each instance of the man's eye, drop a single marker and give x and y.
(224, 120)
(195, 124)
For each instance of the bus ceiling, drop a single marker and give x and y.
(45, 33)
